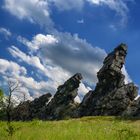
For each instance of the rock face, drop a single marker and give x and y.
(133, 110)
(62, 104)
(111, 96)
(30, 109)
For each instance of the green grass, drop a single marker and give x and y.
(88, 128)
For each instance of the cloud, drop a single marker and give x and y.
(68, 52)
(5, 32)
(30, 87)
(11, 68)
(32, 60)
(127, 77)
(36, 11)
(81, 21)
(39, 11)
(77, 99)
(37, 41)
(112, 27)
(55, 74)
(21, 93)
(34, 87)
(74, 55)
(58, 60)
(57, 55)
(120, 6)
(68, 5)
(14, 72)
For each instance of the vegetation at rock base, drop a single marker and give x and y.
(2, 105)
(1, 97)
(87, 128)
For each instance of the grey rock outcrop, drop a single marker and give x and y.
(62, 104)
(133, 110)
(29, 110)
(111, 95)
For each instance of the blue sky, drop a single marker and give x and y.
(44, 42)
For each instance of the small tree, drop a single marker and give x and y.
(13, 86)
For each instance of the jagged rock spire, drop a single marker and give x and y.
(111, 96)
(62, 105)
(115, 60)
(110, 75)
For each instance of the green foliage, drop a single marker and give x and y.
(1, 99)
(127, 133)
(88, 128)
(2, 105)
(2, 114)
(10, 129)
(1, 95)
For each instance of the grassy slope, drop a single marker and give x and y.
(89, 128)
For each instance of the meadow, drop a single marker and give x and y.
(87, 128)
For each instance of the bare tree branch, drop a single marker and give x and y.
(13, 86)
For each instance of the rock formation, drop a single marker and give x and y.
(133, 110)
(111, 95)
(62, 105)
(29, 110)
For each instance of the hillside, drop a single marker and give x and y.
(87, 128)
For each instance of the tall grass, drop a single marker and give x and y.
(88, 128)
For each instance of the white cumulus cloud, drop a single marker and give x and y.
(11, 68)
(14, 72)
(39, 11)
(36, 11)
(70, 53)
